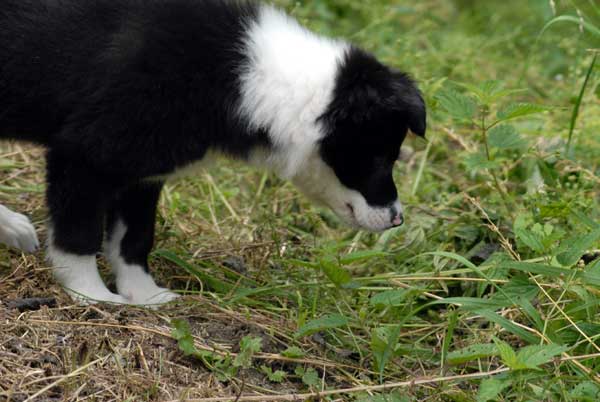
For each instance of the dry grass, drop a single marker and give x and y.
(100, 352)
(117, 353)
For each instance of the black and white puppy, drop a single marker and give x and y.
(125, 93)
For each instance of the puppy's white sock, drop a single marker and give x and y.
(78, 274)
(17, 231)
(135, 284)
(133, 281)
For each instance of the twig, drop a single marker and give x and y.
(492, 226)
(458, 139)
(365, 388)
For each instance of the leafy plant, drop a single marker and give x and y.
(273, 376)
(249, 345)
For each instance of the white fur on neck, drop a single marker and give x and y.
(287, 85)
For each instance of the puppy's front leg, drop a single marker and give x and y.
(77, 202)
(130, 237)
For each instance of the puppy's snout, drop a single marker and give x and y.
(397, 218)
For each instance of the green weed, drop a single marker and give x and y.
(494, 270)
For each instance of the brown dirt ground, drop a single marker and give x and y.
(122, 353)
(128, 352)
(101, 352)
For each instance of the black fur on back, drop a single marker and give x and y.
(136, 87)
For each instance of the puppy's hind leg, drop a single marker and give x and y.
(17, 231)
(77, 210)
(129, 240)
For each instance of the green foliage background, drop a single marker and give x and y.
(494, 270)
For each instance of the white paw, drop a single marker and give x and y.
(154, 298)
(138, 287)
(87, 297)
(79, 277)
(17, 231)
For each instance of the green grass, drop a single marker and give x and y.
(489, 291)
(487, 272)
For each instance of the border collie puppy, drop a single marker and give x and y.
(125, 93)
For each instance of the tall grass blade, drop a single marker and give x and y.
(576, 20)
(578, 104)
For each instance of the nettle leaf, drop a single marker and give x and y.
(473, 352)
(182, 333)
(293, 352)
(478, 161)
(334, 272)
(516, 110)
(490, 87)
(586, 391)
(530, 237)
(483, 90)
(249, 345)
(273, 376)
(490, 91)
(459, 106)
(577, 247)
(535, 355)
(389, 298)
(185, 341)
(320, 324)
(490, 388)
(505, 136)
(309, 376)
(529, 357)
(507, 354)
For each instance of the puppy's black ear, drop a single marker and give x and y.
(409, 102)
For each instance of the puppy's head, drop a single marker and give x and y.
(365, 123)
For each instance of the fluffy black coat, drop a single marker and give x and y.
(120, 91)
